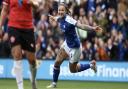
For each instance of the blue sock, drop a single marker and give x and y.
(84, 67)
(56, 72)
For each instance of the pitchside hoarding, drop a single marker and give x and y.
(107, 71)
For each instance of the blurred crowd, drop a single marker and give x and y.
(111, 15)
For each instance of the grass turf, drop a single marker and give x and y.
(11, 84)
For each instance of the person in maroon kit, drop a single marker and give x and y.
(21, 35)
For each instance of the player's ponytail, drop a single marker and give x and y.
(66, 7)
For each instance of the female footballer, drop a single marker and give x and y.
(71, 47)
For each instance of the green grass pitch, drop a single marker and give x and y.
(11, 84)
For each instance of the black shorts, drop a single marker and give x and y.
(23, 37)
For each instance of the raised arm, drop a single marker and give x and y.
(88, 27)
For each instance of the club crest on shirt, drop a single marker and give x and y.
(64, 26)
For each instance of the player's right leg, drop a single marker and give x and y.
(16, 51)
(56, 70)
(17, 66)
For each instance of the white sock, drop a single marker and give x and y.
(17, 68)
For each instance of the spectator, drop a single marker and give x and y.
(111, 15)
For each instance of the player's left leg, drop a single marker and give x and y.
(74, 66)
(32, 61)
(28, 45)
(77, 67)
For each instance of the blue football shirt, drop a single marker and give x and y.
(68, 26)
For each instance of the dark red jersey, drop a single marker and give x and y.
(20, 14)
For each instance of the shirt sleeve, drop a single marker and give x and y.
(71, 20)
(6, 2)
